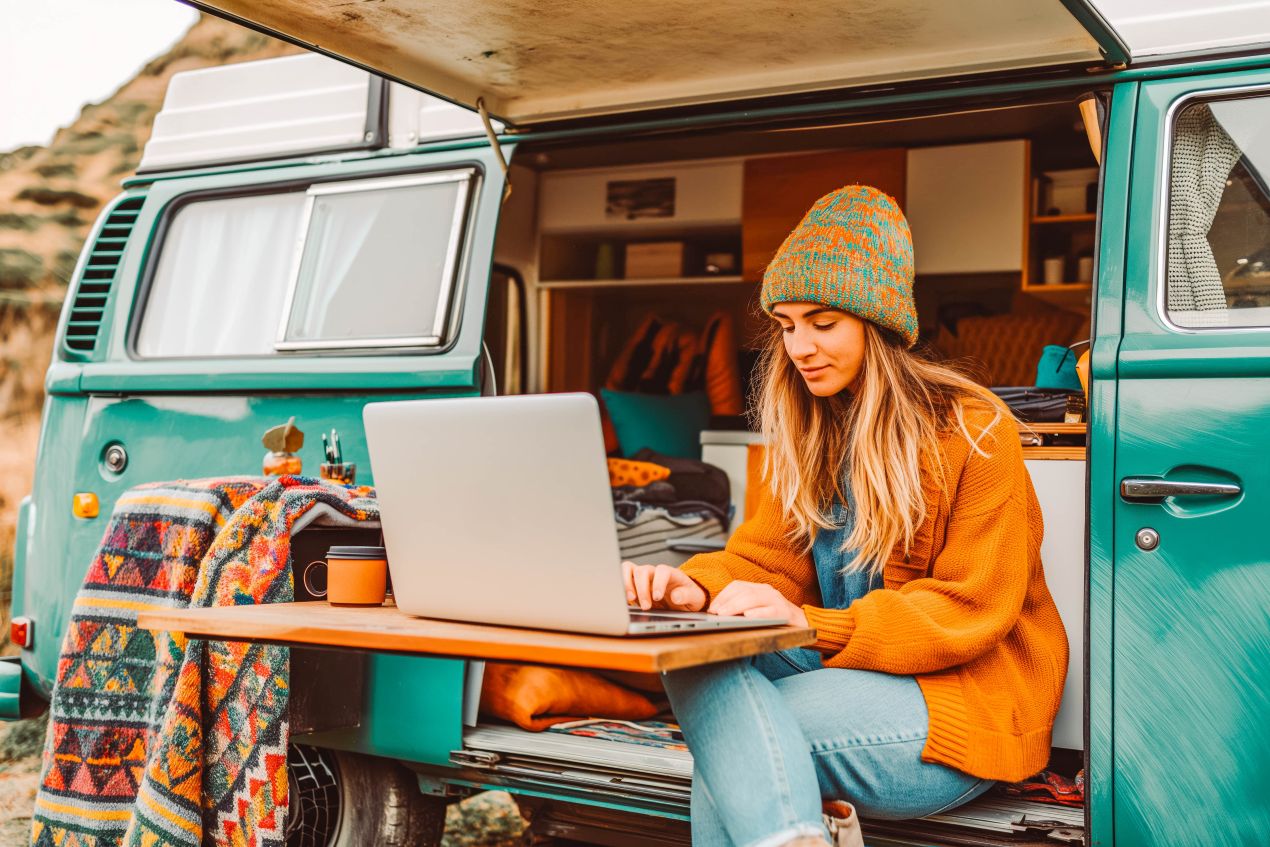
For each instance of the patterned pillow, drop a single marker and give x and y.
(629, 472)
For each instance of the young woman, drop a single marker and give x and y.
(900, 523)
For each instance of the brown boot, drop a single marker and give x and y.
(843, 823)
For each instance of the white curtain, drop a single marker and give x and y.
(222, 278)
(337, 236)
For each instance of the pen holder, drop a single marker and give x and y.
(344, 473)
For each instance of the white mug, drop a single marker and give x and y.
(1052, 270)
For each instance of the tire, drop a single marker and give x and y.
(343, 799)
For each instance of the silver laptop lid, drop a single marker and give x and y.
(498, 510)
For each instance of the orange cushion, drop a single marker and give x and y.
(535, 698)
(629, 472)
(723, 374)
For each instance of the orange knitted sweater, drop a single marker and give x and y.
(966, 611)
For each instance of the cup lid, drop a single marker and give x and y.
(355, 552)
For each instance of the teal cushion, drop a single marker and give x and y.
(665, 423)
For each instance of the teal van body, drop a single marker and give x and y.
(1178, 640)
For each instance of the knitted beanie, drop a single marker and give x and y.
(853, 251)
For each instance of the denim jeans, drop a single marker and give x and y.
(772, 735)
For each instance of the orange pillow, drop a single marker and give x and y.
(535, 698)
(629, 472)
(723, 374)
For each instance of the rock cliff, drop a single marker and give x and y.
(49, 197)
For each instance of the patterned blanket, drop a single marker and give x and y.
(156, 740)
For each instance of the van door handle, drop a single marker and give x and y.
(1148, 490)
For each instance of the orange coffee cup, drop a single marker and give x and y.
(355, 576)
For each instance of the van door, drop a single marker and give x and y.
(1192, 575)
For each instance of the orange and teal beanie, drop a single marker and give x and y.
(853, 251)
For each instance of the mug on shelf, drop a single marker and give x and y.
(355, 576)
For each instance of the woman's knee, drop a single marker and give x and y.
(889, 780)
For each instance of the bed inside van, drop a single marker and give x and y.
(599, 239)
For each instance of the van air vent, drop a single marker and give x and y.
(97, 278)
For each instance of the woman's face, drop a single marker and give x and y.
(825, 344)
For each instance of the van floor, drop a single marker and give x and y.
(649, 775)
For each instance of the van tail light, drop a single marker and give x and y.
(21, 632)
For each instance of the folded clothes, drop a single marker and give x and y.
(642, 531)
(661, 734)
(535, 698)
(1050, 787)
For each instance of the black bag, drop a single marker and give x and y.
(1035, 405)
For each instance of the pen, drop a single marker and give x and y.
(326, 449)
(339, 450)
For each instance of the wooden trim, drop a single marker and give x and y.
(387, 629)
(1053, 428)
(637, 281)
(1061, 453)
(1079, 217)
(1028, 204)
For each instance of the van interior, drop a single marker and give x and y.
(598, 239)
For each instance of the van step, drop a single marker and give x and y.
(618, 770)
(580, 750)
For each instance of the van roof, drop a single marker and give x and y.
(531, 62)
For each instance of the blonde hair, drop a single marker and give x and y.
(877, 440)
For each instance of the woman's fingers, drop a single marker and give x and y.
(661, 577)
(628, 579)
(643, 586)
(742, 598)
(660, 586)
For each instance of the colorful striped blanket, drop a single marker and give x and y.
(156, 740)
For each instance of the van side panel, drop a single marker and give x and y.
(1101, 496)
(412, 710)
(165, 437)
(59, 545)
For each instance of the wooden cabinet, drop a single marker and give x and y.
(779, 190)
(967, 207)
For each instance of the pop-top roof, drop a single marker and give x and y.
(533, 61)
(292, 106)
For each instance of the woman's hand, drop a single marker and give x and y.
(756, 600)
(662, 587)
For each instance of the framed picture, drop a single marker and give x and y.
(634, 199)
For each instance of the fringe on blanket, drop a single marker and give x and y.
(156, 740)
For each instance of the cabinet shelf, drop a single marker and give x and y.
(1082, 217)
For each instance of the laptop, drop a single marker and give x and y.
(498, 510)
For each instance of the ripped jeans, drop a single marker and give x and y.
(773, 734)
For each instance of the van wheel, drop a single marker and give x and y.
(343, 799)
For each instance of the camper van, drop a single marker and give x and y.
(553, 178)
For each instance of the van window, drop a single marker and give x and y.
(1218, 247)
(222, 277)
(358, 264)
(377, 263)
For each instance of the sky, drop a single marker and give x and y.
(57, 55)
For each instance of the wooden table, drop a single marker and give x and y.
(387, 629)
